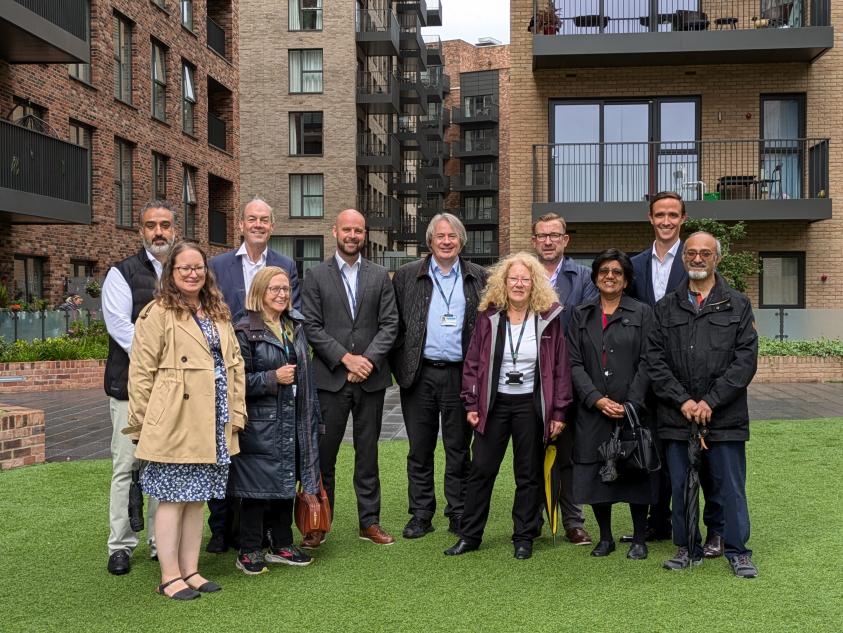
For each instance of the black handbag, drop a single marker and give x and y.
(638, 452)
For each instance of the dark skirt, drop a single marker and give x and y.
(625, 489)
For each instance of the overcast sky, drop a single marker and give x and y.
(470, 19)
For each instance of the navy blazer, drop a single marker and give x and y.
(642, 265)
(228, 269)
(573, 287)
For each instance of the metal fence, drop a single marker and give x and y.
(216, 37)
(70, 15)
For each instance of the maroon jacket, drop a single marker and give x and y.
(554, 370)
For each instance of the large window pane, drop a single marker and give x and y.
(626, 161)
(782, 279)
(306, 195)
(781, 163)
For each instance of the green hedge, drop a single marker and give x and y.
(60, 348)
(819, 347)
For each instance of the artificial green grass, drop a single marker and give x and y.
(53, 529)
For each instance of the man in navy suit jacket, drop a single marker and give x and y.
(234, 272)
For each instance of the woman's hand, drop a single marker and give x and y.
(473, 419)
(556, 427)
(286, 374)
(609, 408)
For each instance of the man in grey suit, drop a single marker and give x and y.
(351, 322)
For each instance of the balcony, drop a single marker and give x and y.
(409, 131)
(434, 13)
(434, 49)
(755, 179)
(411, 41)
(381, 211)
(378, 93)
(414, 7)
(470, 114)
(436, 185)
(406, 229)
(42, 179)
(440, 149)
(216, 132)
(44, 31)
(220, 111)
(379, 153)
(433, 166)
(481, 180)
(378, 33)
(475, 147)
(596, 33)
(433, 81)
(216, 38)
(413, 96)
(484, 260)
(472, 217)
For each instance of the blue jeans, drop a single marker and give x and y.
(726, 464)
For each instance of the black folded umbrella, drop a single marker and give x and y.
(135, 502)
(691, 493)
(609, 452)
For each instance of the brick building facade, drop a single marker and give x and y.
(158, 110)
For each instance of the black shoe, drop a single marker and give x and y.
(454, 524)
(637, 551)
(119, 562)
(523, 551)
(603, 548)
(461, 547)
(417, 527)
(217, 544)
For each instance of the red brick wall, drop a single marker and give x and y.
(59, 375)
(21, 436)
(779, 369)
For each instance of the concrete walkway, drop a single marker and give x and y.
(79, 426)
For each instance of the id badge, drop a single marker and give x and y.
(217, 372)
(448, 320)
(294, 389)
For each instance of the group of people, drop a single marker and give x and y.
(233, 383)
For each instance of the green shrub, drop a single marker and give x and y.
(819, 347)
(60, 348)
(78, 329)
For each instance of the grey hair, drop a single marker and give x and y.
(262, 201)
(451, 219)
(716, 241)
(157, 204)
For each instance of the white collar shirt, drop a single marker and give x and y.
(250, 268)
(660, 269)
(350, 280)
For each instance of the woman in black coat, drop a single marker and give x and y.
(607, 346)
(279, 445)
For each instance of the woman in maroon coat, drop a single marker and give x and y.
(516, 383)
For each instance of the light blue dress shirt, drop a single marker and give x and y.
(445, 342)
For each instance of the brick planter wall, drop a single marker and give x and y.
(52, 375)
(21, 436)
(772, 369)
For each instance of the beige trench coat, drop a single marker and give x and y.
(171, 389)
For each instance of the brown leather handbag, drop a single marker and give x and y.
(312, 512)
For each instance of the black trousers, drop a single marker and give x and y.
(435, 395)
(511, 416)
(366, 410)
(258, 515)
(223, 517)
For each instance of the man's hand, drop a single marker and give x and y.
(556, 427)
(689, 410)
(473, 419)
(357, 364)
(286, 374)
(609, 408)
(703, 413)
(354, 378)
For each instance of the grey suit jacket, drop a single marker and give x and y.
(332, 332)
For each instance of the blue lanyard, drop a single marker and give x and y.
(450, 296)
(351, 293)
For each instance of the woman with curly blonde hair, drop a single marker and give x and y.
(516, 383)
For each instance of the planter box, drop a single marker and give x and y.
(51, 375)
(21, 436)
(773, 369)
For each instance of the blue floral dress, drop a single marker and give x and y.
(197, 482)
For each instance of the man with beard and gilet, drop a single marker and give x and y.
(702, 355)
(437, 300)
(128, 287)
(573, 285)
(351, 322)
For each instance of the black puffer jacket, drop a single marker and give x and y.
(283, 422)
(708, 355)
(413, 291)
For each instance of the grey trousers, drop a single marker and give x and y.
(123, 461)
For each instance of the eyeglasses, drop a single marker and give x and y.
(186, 271)
(519, 281)
(605, 272)
(274, 291)
(553, 237)
(705, 254)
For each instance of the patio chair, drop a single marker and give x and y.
(591, 21)
(684, 20)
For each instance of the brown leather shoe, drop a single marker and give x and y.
(578, 536)
(376, 534)
(312, 540)
(713, 547)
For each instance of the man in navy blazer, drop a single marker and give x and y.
(234, 272)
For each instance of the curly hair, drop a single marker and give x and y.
(210, 296)
(542, 294)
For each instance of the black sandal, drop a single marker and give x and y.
(182, 594)
(207, 587)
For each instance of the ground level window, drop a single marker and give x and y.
(782, 279)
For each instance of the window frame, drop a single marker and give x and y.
(28, 293)
(300, 132)
(122, 182)
(189, 200)
(318, 11)
(157, 83)
(188, 102)
(300, 260)
(301, 204)
(187, 15)
(321, 72)
(122, 28)
(159, 161)
(800, 278)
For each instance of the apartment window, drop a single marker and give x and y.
(782, 159)
(585, 259)
(782, 280)
(123, 182)
(477, 106)
(306, 196)
(187, 14)
(160, 3)
(306, 70)
(122, 36)
(305, 251)
(81, 268)
(480, 174)
(159, 176)
(479, 208)
(28, 115)
(189, 201)
(29, 278)
(478, 140)
(481, 242)
(188, 98)
(305, 15)
(82, 72)
(305, 133)
(159, 81)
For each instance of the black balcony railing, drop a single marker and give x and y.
(70, 15)
(216, 132)
(485, 180)
(434, 48)
(217, 227)
(586, 17)
(755, 169)
(475, 113)
(375, 82)
(216, 37)
(35, 163)
(376, 21)
(380, 210)
(468, 147)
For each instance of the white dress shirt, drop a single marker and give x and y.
(250, 268)
(349, 274)
(528, 355)
(117, 305)
(555, 274)
(660, 269)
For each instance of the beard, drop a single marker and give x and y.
(159, 249)
(697, 275)
(349, 248)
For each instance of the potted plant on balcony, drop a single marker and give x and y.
(547, 21)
